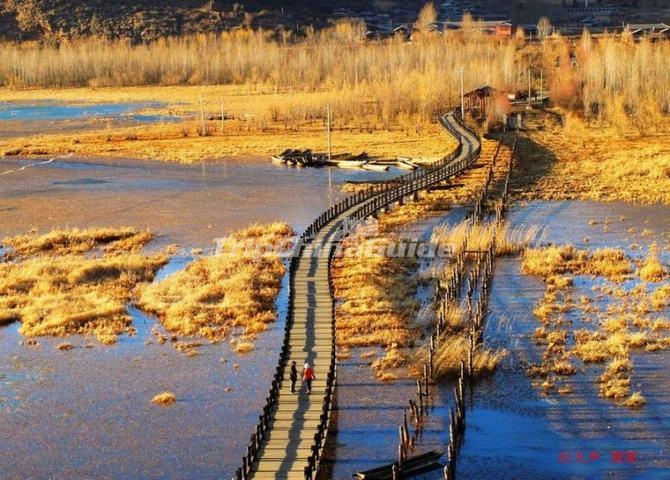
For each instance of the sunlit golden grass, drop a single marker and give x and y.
(237, 287)
(595, 163)
(559, 260)
(478, 236)
(243, 346)
(660, 297)
(255, 130)
(636, 400)
(386, 366)
(164, 398)
(652, 269)
(375, 294)
(451, 350)
(60, 288)
(71, 241)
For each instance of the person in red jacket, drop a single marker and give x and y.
(308, 376)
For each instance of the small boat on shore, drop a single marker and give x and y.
(406, 164)
(417, 464)
(375, 167)
(351, 164)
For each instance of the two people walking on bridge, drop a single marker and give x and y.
(307, 376)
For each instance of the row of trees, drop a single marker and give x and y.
(605, 79)
(612, 80)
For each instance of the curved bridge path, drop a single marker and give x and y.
(291, 432)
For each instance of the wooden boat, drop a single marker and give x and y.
(351, 163)
(419, 463)
(375, 167)
(406, 164)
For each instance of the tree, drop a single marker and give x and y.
(427, 17)
(544, 28)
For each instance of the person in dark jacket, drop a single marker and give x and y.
(294, 376)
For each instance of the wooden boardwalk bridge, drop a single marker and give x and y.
(292, 428)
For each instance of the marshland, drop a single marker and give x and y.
(145, 243)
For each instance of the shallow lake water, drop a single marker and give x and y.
(21, 118)
(86, 412)
(185, 204)
(513, 432)
(52, 110)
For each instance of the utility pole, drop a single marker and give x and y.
(202, 116)
(330, 155)
(222, 116)
(330, 186)
(462, 97)
(330, 136)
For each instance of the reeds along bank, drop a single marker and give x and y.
(389, 81)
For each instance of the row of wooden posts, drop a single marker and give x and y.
(478, 276)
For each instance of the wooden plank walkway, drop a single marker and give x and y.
(291, 432)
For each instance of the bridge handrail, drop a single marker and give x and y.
(373, 199)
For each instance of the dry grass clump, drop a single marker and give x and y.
(610, 263)
(636, 400)
(480, 235)
(560, 282)
(164, 398)
(660, 324)
(652, 270)
(615, 380)
(451, 349)
(660, 297)
(244, 346)
(75, 240)
(563, 367)
(550, 261)
(67, 294)
(375, 294)
(235, 288)
(558, 260)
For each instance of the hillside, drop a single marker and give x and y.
(145, 20)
